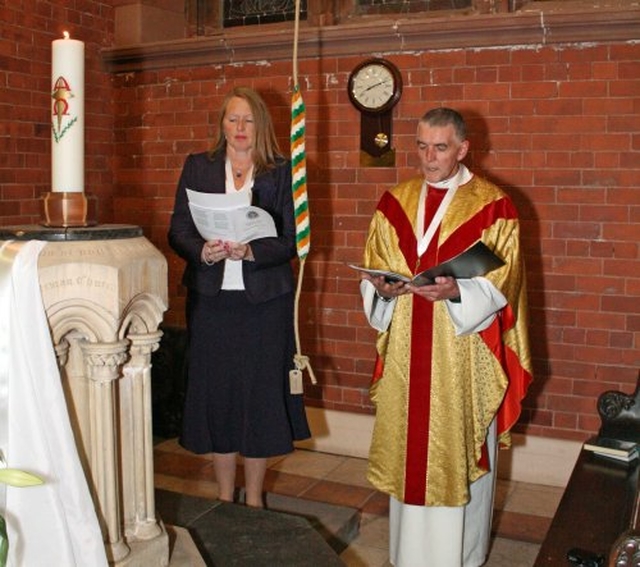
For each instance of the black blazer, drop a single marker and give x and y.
(270, 275)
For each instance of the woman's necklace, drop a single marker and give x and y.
(238, 172)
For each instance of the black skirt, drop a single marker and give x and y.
(238, 396)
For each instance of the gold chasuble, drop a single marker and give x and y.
(436, 393)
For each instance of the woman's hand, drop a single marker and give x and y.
(239, 251)
(213, 251)
(216, 250)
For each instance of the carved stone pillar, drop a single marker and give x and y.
(104, 290)
(137, 447)
(103, 363)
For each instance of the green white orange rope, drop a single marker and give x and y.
(299, 190)
(299, 173)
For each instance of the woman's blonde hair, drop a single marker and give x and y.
(266, 149)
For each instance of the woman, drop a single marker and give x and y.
(240, 305)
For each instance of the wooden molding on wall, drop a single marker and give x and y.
(538, 23)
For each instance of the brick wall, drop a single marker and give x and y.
(555, 126)
(28, 27)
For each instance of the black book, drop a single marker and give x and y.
(616, 448)
(476, 260)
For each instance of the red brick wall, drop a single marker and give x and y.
(28, 27)
(556, 126)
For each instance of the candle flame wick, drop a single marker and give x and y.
(65, 34)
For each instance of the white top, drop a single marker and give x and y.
(233, 268)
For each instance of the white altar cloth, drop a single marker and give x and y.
(55, 523)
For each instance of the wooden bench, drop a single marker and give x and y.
(599, 509)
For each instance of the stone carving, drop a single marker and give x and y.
(104, 300)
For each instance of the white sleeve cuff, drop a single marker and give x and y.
(480, 300)
(378, 312)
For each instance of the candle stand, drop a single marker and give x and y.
(105, 291)
(68, 209)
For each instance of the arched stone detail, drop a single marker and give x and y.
(89, 319)
(61, 348)
(142, 315)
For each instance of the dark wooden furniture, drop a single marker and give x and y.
(594, 511)
(599, 509)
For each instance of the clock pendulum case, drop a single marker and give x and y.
(374, 88)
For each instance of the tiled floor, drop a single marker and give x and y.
(522, 511)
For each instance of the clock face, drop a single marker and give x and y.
(374, 86)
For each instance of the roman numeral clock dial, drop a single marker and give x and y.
(375, 86)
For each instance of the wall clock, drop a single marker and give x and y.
(375, 87)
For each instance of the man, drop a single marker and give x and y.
(453, 357)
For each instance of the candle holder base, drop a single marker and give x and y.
(68, 209)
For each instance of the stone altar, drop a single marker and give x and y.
(104, 290)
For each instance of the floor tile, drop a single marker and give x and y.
(337, 493)
(182, 549)
(280, 482)
(536, 499)
(338, 525)
(183, 466)
(523, 527)
(309, 463)
(352, 471)
(201, 488)
(523, 511)
(503, 491)
(357, 555)
(511, 553)
(378, 504)
(229, 534)
(374, 531)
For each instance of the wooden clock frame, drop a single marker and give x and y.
(376, 125)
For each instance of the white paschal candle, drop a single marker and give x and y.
(67, 116)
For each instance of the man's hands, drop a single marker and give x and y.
(443, 288)
(385, 289)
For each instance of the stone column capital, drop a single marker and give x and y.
(104, 360)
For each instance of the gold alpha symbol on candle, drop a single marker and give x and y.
(61, 94)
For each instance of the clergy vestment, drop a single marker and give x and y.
(445, 371)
